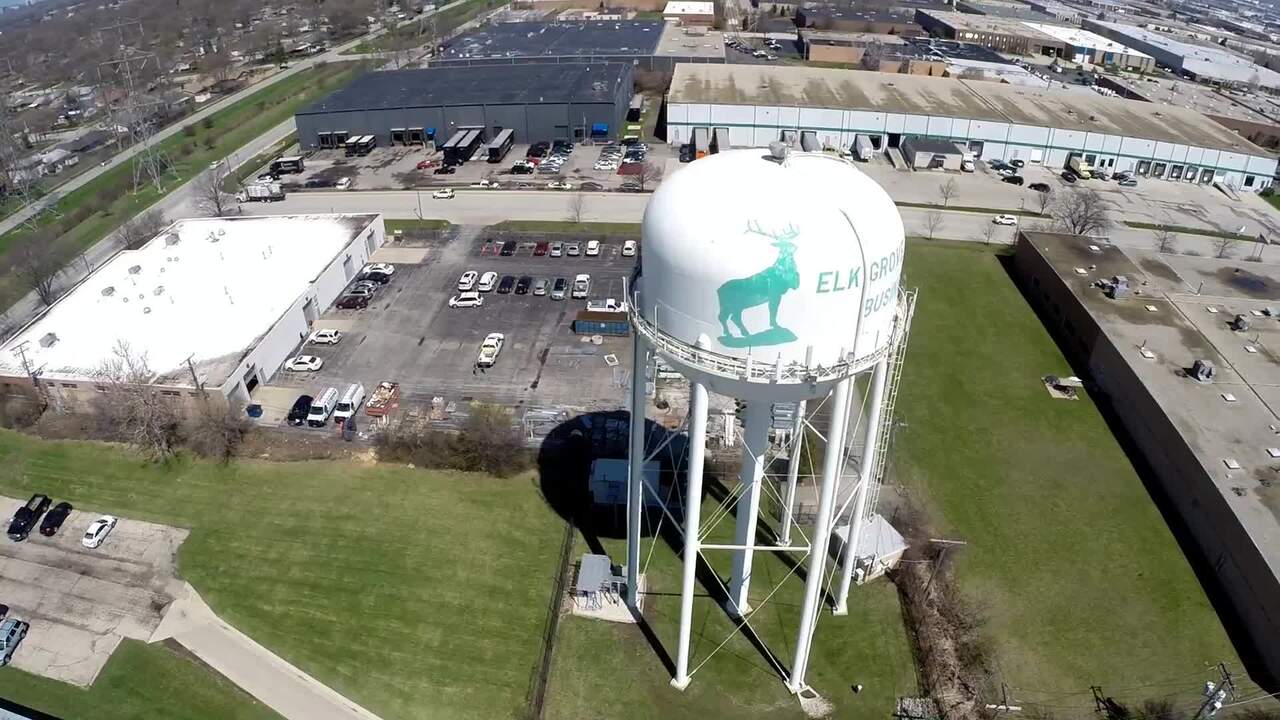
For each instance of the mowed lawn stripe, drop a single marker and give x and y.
(416, 593)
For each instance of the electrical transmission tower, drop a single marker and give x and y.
(137, 113)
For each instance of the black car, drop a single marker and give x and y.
(445, 170)
(562, 146)
(317, 183)
(508, 248)
(1014, 179)
(27, 517)
(353, 302)
(380, 278)
(629, 187)
(538, 149)
(1018, 163)
(54, 519)
(998, 164)
(1039, 187)
(298, 413)
(1068, 176)
(507, 284)
(522, 285)
(590, 186)
(521, 170)
(686, 153)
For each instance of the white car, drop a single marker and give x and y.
(581, 286)
(605, 166)
(303, 363)
(327, 336)
(343, 184)
(489, 349)
(487, 183)
(382, 268)
(443, 194)
(593, 248)
(559, 185)
(487, 281)
(629, 248)
(1005, 220)
(97, 531)
(468, 280)
(467, 299)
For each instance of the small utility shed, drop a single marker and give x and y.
(921, 153)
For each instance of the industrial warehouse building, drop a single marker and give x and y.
(1210, 445)
(214, 305)
(1009, 35)
(1089, 48)
(537, 101)
(1205, 63)
(644, 44)
(753, 105)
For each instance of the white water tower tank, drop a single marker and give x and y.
(791, 260)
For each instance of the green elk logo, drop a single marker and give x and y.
(765, 287)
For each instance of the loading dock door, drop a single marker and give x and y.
(1037, 155)
(325, 139)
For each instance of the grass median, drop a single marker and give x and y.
(91, 212)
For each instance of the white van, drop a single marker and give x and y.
(350, 403)
(322, 408)
(581, 286)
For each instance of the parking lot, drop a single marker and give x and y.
(81, 602)
(410, 335)
(396, 168)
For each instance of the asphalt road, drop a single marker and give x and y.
(484, 207)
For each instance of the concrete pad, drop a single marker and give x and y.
(276, 402)
(82, 602)
(399, 255)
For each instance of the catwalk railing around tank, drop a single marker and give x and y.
(751, 369)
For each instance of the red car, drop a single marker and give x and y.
(426, 164)
(541, 248)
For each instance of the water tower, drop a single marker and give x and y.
(771, 277)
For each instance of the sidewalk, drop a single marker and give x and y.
(277, 684)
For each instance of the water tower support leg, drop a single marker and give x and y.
(831, 461)
(793, 474)
(692, 521)
(864, 486)
(635, 478)
(755, 442)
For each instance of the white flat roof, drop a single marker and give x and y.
(1084, 38)
(204, 289)
(686, 7)
(1207, 61)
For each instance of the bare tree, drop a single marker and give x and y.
(139, 229)
(948, 190)
(872, 56)
(140, 415)
(1166, 239)
(649, 173)
(211, 199)
(1222, 246)
(988, 233)
(932, 223)
(1043, 200)
(577, 204)
(218, 68)
(1080, 212)
(215, 433)
(38, 264)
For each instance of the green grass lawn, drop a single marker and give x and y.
(417, 594)
(1080, 576)
(140, 681)
(230, 129)
(596, 660)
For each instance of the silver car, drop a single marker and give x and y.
(540, 286)
(11, 633)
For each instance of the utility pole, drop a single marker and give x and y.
(942, 556)
(1214, 695)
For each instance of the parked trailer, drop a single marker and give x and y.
(501, 145)
(384, 400)
(862, 148)
(720, 140)
(701, 142)
(592, 322)
(352, 145)
(1078, 165)
(471, 142)
(366, 145)
(449, 148)
(261, 192)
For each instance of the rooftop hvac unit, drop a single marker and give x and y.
(1119, 288)
(1240, 323)
(1202, 371)
(48, 340)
